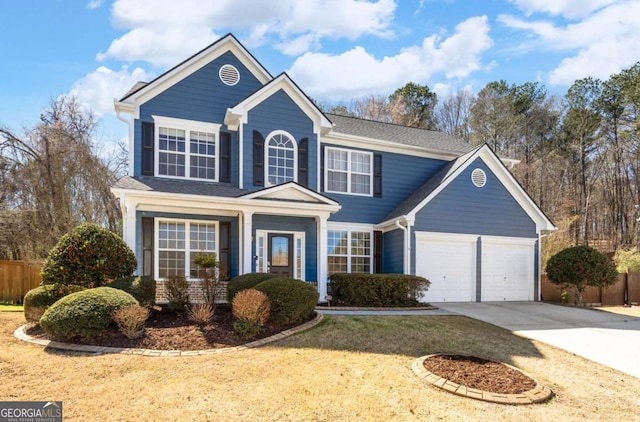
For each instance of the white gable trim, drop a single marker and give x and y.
(238, 114)
(291, 191)
(504, 176)
(229, 43)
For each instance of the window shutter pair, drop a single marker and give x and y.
(258, 160)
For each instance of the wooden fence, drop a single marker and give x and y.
(624, 292)
(16, 279)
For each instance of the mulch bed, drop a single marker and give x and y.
(473, 372)
(166, 330)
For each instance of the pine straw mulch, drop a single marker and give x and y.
(167, 330)
(474, 372)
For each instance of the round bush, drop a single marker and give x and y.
(581, 266)
(85, 313)
(143, 288)
(291, 300)
(37, 300)
(245, 281)
(89, 256)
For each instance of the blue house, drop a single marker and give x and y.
(226, 158)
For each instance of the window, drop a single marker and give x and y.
(348, 171)
(179, 242)
(349, 251)
(187, 149)
(280, 158)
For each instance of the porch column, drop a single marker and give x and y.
(129, 227)
(322, 257)
(247, 257)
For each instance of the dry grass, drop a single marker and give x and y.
(346, 369)
(622, 310)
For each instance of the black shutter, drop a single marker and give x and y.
(303, 162)
(148, 139)
(224, 257)
(377, 175)
(147, 246)
(258, 159)
(377, 252)
(225, 157)
(322, 169)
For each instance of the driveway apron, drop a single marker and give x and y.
(610, 339)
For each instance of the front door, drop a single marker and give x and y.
(280, 258)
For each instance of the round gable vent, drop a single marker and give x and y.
(229, 75)
(478, 177)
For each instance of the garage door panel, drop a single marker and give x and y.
(508, 272)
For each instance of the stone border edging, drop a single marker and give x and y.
(20, 334)
(538, 394)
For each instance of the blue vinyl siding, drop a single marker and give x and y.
(201, 96)
(279, 112)
(401, 175)
(393, 252)
(463, 208)
(233, 246)
(292, 224)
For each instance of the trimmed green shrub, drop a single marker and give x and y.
(246, 281)
(85, 313)
(581, 266)
(177, 292)
(90, 256)
(143, 288)
(246, 328)
(37, 300)
(378, 290)
(291, 300)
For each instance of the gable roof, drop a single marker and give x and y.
(432, 187)
(142, 91)
(291, 191)
(428, 139)
(238, 114)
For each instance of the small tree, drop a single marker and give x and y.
(581, 266)
(89, 256)
(211, 285)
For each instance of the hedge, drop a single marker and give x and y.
(291, 300)
(246, 281)
(377, 290)
(37, 300)
(143, 288)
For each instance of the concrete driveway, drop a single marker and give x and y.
(610, 339)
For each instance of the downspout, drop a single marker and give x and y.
(406, 265)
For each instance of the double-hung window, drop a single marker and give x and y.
(186, 149)
(280, 157)
(179, 242)
(348, 171)
(349, 251)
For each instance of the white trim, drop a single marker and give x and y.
(349, 171)
(436, 236)
(187, 234)
(270, 191)
(296, 235)
(321, 256)
(268, 139)
(188, 126)
(504, 240)
(351, 228)
(225, 68)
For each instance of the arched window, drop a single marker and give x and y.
(280, 158)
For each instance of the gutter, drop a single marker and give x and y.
(407, 245)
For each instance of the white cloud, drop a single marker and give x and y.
(97, 89)
(356, 73)
(94, 4)
(163, 32)
(570, 9)
(603, 43)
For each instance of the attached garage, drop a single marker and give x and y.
(450, 262)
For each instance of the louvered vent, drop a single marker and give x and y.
(229, 75)
(478, 177)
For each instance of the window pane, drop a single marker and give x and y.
(171, 264)
(280, 251)
(337, 264)
(337, 242)
(360, 264)
(202, 237)
(360, 183)
(360, 163)
(337, 159)
(171, 235)
(336, 182)
(280, 159)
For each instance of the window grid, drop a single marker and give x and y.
(280, 159)
(195, 158)
(179, 240)
(171, 144)
(349, 171)
(348, 251)
(203, 152)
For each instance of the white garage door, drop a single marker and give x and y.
(449, 262)
(507, 269)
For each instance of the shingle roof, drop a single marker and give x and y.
(428, 139)
(152, 184)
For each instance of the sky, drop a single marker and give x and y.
(335, 50)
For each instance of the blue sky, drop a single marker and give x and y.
(336, 50)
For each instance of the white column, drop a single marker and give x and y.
(129, 228)
(321, 222)
(247, 226)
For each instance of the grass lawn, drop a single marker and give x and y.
(4, 307)
(345, 369)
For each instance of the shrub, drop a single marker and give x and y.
(85, 313)
(627, 261)
(246, 328)
(37, 300)
(379, 290)
(131, 320)
(90, 256)
(201, 313)
(246, 281)
(176, 289)
(291, 300)
(143, 288)
(251, 305)
(210, 283)
(581, 266)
